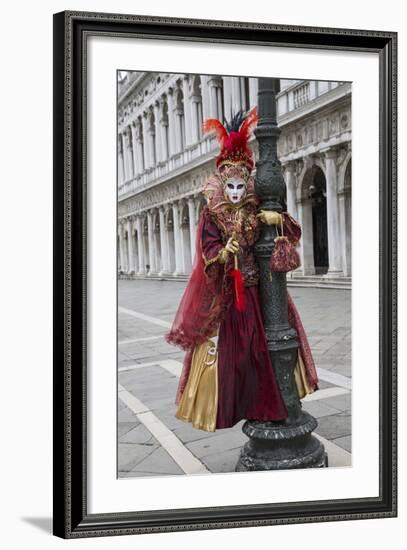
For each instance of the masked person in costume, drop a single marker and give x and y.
(227, 373)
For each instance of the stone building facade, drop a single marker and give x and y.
(164, 160)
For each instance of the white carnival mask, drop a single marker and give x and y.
(235, 188)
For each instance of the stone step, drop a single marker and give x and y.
(319, 278)
(153, 277)
(320, 281)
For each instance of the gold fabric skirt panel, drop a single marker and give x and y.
(199, 400)
(303, 388)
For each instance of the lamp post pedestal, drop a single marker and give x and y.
(289, 444)
(281, 446)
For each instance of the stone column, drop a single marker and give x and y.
(192, 226)
(227, 97)
(135, 246)
(181, 205)
(129, 154)
(165, 146)
(215, 107)
(164, 243)
(146, 141)
(178, 132)
(306, 241)
(236, 95)
(171, 122)
(158, 132)
(152, 142)
(195, 119)
(242, 84)
(136, 165)
(291, 183)
(131, 269)
(348, 211)
(123, 266)
(345, 230)
(120, 159)
(253, 89)
(187, 111)
(332, 205)
(163, 133)
(219, 92)
(205, 97)
(138, 147)
(125, 162)
(169, 233)
(141, 251)
(313, 92)
(177, 240)
(151, 244)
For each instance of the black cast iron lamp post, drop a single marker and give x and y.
(289, 444)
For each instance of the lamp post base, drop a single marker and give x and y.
(281, 446)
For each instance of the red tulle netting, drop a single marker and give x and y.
(204, 302)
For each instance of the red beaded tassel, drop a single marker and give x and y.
(238, 286)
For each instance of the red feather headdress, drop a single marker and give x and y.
(234, 146)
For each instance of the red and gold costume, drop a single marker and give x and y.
(232, 379)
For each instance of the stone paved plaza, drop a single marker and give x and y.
(151, 441)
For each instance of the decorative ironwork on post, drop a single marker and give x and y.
(288, 444)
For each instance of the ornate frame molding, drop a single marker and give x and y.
(71, 30)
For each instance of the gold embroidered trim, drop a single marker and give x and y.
(214, 259)
(223, 256)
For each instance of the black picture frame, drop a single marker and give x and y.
(71, 518)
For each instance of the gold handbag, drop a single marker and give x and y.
(199, 400)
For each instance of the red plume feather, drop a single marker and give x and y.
(249, 123)
(215, 125)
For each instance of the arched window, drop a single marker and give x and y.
(151, 129)
(120, 159)
(131, 152)
(219, 99)
(165, 125)
(315, 230)
(245, 93)
(140, 144)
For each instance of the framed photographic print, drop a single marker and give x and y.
(224, 274)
